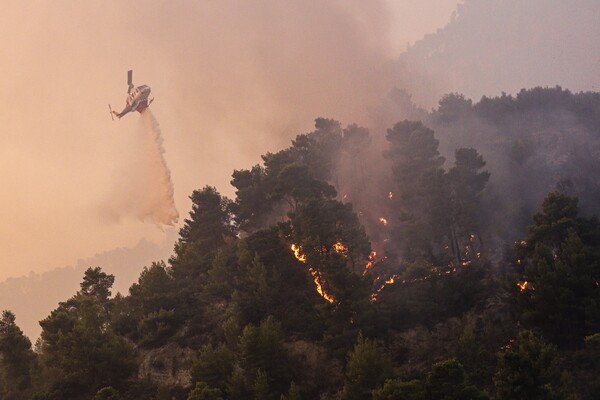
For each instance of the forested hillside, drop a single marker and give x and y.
(454, 257)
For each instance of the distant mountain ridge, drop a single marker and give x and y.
(32, 297)
(493, 46)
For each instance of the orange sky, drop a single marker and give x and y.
(232, 80)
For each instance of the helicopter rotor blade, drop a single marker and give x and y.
(129, 80)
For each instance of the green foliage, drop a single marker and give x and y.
(447, 381)
(16, 358)
(153, 290)
(584, 365)
(78, 348)
(237, 386)
(395, 389)
(431, 295)
(209, 228)
(213, 366)
(367, 368)
(293, 393)
(203, 391)
(261, 348)
(289, 177)
(528, 370)
(551, 226)
(157, 326)
(261, 386)
(478, 346)
(96, 284)
(107, 393)
(562, 268)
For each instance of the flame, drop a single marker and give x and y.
(298, 253)
(345, 196)
(372, 261)
(390, 195)
(317, 277)
(319, 286)
(390, 281)
(340, 248)
(383, 221)
(522, 285)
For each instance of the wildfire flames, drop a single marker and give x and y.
(523, 285)
(340, 248)
(297, 253)
(390, 281)
(390, 195)
(372, 261)
(318, 279)
(319, 286)
(383, 221)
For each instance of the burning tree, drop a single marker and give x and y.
(438, 210)
(560, 263)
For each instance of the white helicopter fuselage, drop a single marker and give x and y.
(137, 96)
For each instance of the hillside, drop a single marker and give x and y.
(455, 257)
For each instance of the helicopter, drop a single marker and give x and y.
(137, 99)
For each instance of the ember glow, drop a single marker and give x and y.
(522, 285)
(340, 248)
(372, 261)
(390, 281)
(318, 279)
(383, 221)
(390, 195)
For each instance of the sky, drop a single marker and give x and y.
(231, 81)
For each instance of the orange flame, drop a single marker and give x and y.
(390, 281)
(372, 261)
(317, 278)
(522, 285)
(319, 286)
(390, 195)
(298, 253)
(383, 221)
(340, 248)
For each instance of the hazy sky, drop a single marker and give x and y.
(232, 80)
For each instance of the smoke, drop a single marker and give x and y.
(232, 80)
(494, 46)
(142, 185)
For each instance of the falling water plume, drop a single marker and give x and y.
(143, 187)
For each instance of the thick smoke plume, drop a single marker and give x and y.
(143, 187)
